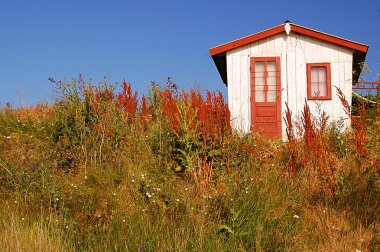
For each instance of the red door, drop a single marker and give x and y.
(266, 96)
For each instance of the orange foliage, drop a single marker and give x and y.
(291, 140)
(127, 101)
(211, 113)
(359, 127)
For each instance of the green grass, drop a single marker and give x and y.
(76, 178)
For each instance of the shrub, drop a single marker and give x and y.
(104, 169)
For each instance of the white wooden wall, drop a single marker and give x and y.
(294, 52)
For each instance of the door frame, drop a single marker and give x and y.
(278, 91)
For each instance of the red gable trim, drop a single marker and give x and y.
(246, 40)
(294, 28)
(329, 38)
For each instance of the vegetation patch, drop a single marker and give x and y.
(103, 169)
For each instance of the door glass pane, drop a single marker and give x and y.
(259, 82)
(259, 94)
(271, 81)
(271, 68)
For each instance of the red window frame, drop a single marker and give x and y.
(310, 96)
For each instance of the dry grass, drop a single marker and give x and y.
(167, 173)
(327, 229)
(18, 234)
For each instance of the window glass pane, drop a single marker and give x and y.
(322, 88)
(271, 94)
(314, 75)
(271, 81)
(259, 67)
(271, 68)
(259, 81)
(315, 89)
(318, 81)
(259, 93)
(321, 74)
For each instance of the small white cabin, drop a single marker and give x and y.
(287, 63)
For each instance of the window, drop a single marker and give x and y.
(318, 81)
(265, 81)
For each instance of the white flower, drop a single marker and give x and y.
(177, 200)
(296, 216)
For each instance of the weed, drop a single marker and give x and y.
(96, 171)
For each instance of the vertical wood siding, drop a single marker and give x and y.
(294, 52)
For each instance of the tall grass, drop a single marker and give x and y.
(22, 234)
(104, 170)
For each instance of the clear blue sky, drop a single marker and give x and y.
(144, 41)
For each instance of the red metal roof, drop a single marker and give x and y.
(218, 52)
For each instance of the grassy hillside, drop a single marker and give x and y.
(102, 170)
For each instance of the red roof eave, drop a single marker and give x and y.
(329, 38)
(246, 40)
(294, 28)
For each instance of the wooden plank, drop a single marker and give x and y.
(236, 90)
(293, 93)
(270, 49)
(284, 91)
(254, 49)
(230, 87)
(245, 93)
